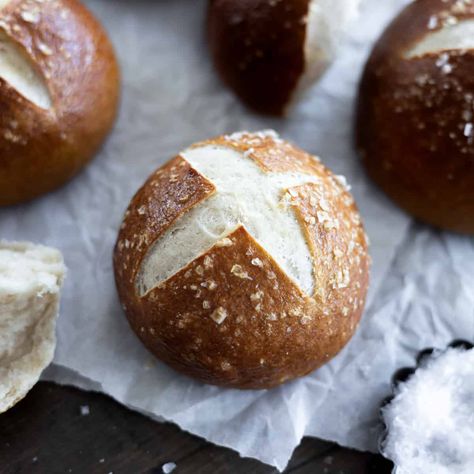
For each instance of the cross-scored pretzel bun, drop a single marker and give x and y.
(59, 88)
(415, 125)
(268, 51)
(243, 262)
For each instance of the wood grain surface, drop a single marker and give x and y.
(48, 433)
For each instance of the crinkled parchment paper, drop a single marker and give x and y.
(422, 282)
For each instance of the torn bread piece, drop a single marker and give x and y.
(31, 277)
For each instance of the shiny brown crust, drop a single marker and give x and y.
(258, 49)
(270, 331)
(412, 115)
(41, 149)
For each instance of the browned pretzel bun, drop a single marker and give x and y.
(59, 87)
(243, 262)
(268, 50)
(415, 114)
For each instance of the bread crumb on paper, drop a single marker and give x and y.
(168, 468)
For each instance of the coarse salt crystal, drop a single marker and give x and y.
(219, 315)
(168, 468)
(432, 22)
(343, 182)
(45, 49)
(30, 16)
(239, 272)
(468, 129)
(225, 242)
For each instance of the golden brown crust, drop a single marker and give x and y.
(413, 114)
(233, 317)
(269, 152)
(338, 245)
(183, 316)
(258, 49)
(41, 149)
(169, 192)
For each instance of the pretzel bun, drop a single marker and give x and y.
(31, 277)
(59, 87)
(416, 113)
(268, 51)
(243, 262)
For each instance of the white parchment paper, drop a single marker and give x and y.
(422, 281)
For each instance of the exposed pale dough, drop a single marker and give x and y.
(459, 36)
(30, 280)
(245, 195)
(326, 22)
(16, 69)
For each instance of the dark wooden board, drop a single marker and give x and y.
(47, 434)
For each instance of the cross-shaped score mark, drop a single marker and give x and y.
(245, 195)
(17, 70)
(451, 37)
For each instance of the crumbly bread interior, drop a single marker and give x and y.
(458, 36)
(246, 195)
(30, 280)
(17, 71)
(325, 24)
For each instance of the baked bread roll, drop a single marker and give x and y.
(243, 262)
(31, 277)
(59, 87)
(269, 51)
(415, 115)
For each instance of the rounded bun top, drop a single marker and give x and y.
(245, 244)
(258, 48)
(59, 87)
(416, 112)
(58, 56)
